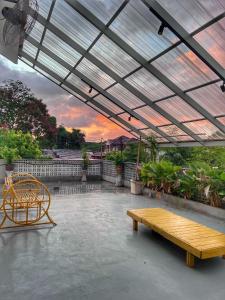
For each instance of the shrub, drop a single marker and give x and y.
(24, 144)
(116, 156)
(161, 176)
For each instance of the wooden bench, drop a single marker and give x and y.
(198, 240)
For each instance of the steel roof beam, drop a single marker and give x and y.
(141, 60)
(185, 37)
(82, 94)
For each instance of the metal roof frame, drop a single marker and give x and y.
(177, 29)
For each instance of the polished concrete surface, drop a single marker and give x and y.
(93, 253)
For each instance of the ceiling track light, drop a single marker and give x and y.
(161, 28)
(129, 118)
(223, 87)
(90, 90)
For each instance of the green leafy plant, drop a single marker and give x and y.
(153, 147)
(160, 176)
(9, 154)
(85, 159)
(116, 156)
(24, 143)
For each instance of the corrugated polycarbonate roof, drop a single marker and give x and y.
(109, 55)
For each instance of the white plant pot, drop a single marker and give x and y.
(136, 187)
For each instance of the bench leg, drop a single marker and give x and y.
(135, 225)
(190, 260)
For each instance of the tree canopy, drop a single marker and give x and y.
(21, 110)
(70, 140)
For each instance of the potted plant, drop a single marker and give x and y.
(136, 185)
(9, 155)
(85, 164)
(118, 159)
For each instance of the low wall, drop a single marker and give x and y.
(53, 170)
(182, 203)
(109, 172)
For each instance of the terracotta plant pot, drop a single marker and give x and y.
(119, 169)
(9, 167)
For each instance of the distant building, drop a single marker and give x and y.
(118, 144)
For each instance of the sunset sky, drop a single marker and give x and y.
(69, 111)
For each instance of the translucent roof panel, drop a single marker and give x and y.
(113, 56)
(99, 110)
(84, 87)
(161, 140)
(73, 93)
(132, 121)
(183, 138)
(29, 49)
(206, 130)
(37, 31)
(108, 104)
(150, 132)
(179, 109)
(174, 131)
(94, 73)
(126, 97)
(52, 65)
(104, 10)
(222, 120)
(73, 24)
(212, 39)
(44, 7)
(211, 98)
(184, 68)
(191, 14)
(60, 48)
(120, 124)
(138, 27)
(148, 85)
(152, 116)
(47, 75)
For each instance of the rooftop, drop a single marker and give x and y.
(93, 253)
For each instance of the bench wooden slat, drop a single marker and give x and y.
(195, 238)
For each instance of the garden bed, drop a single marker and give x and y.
(182, 203)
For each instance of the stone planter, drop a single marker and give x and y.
(136, 187)
(182, 203)
(119, 180)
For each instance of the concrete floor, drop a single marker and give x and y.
(93, 254)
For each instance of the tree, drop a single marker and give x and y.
(20, 110)
(70, 140)
(77, 139)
